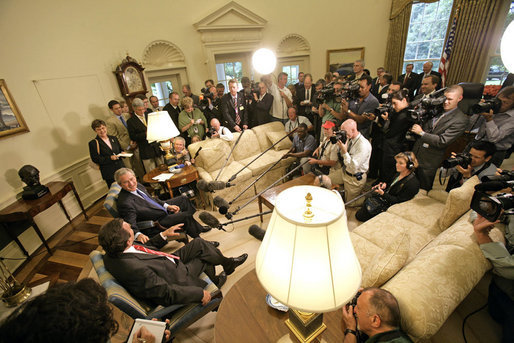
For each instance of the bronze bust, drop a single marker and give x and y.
(34, 189)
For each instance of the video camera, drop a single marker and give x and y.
(423, 110)
(209, 132)
(349, 91)
(463, 160)
(491, 104)
(204, 102)
(491, 207)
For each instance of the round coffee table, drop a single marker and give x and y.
(244, 316)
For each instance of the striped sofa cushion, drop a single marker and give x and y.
(111, 198)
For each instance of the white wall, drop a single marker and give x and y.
(57, 58)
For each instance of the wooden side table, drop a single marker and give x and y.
(244, 316)
(25, 210)
(189, 174)
(269, 197)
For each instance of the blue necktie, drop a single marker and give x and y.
(123, 121)
(151, 201)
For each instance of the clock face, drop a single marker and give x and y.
(132, 80)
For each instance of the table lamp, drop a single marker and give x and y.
(161, 129)
(306, 259)
(13, 292)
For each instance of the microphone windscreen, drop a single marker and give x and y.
(491, 186)
(217, 185)
(256, 232)
(203, 185)
(209, 220)
(220, 202)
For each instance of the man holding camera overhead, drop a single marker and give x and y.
(436, 135)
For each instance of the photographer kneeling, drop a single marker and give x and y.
(404, 187)
(476, 162)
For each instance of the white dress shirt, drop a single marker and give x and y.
(356, 159)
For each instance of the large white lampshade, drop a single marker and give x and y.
(507, 48)
(309, 266)
(160, 127)
(264, 61)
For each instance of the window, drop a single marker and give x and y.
(229, 70)
(497, 72)
(292, 73)
(427, 30)
(162, 91)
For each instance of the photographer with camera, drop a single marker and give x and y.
(325, 160)
(358, 108)
(211, 104)
(403, 187)
(218, 131)
(303, 147)
(501, 256)
(375, 313)
(436, 135)
(355, 153)
(330, 107)
(261, 106)
(476, 162)
(495, 120)
(282, 97)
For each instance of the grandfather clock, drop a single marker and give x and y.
(130, 79)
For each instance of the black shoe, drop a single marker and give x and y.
(205, 229)
(216, 244)
(234, 263)
(222, 278)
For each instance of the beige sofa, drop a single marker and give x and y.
(215, 151)
(424, 252)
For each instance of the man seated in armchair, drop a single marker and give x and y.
(160, 278)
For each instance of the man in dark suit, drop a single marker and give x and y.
(376, 81)
(384, 80)
(136, 205)
(427, 71)
(409, 80)
(150, 153)
(234, 109)
(163, 279)
(261, 106)
(186, 90)
(436, 134)
(304, 99)
(299, 84)
(173, 107)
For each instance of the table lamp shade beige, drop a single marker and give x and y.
(309, 264)
(161, 129)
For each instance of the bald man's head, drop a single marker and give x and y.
(350, 126)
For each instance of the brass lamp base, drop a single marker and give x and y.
(16, 295)
(305, 326)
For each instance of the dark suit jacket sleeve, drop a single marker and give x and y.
(265, 104)
(134, 133)
(398, 126)
(127, 211)
(225, 107)
(405, 193)
(244, 114)
(451, 133)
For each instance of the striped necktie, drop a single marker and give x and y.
(153, 252)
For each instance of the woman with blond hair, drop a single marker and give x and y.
(191, 120)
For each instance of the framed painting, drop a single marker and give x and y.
(341, 60)
(11, 120)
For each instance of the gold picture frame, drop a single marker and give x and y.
(11, 120)
(343, 58)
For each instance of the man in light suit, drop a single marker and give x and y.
(136, 205)
(436, 135)
(163, 279)
(233, 109)
(117, 127)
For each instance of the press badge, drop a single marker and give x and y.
(426, 145)
(241, 108)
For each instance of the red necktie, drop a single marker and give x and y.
(150, 251)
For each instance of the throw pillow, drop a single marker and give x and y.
(457, 204)
(387, 262)
(275, 136)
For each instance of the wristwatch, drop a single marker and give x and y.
(353, 332)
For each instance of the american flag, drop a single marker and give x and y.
(445, 58)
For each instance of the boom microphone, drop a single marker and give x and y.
(221, 204)
(197, 152)
(219, 185)
(489, 186)
(210, 220)
(203, 185)
(256, 232)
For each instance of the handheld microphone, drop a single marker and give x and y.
(210, 220)
(221, 204)
(219, 185)
(203, 185)
(256, 232)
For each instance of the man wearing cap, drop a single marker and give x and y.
(325, 157)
